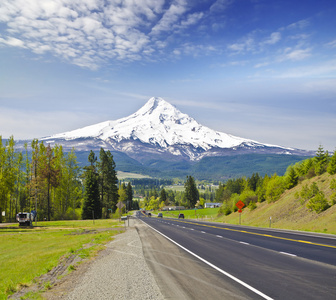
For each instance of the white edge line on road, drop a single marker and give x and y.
(244, 243)
(286, 253)
(213, 266)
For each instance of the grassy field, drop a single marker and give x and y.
(27, 253)
(206, 213)
(124, 175)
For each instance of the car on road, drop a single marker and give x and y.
(149, 214)
(160, 215)
(181, 216)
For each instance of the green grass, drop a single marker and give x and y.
(28, 253)
(205, 213)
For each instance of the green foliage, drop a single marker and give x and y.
(91, 205)
(248, 197)
(318, 203)
(333, 198)
(252, 206)
(316, 199)
(321, 160)
(108, 181)
(191, 192)
(332, 164)
(275, 188)
(333, 184)
(291, 177)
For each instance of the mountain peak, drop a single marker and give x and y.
(154, 103)
(160, 125)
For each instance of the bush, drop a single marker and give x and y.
(333, 198)
(318, 203)
(252, 206)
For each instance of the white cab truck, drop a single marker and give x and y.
(25, 219)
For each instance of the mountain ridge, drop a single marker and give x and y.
(158, 129)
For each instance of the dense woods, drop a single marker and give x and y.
(45, 179)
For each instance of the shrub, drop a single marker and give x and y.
(318, 203)
(252, 206)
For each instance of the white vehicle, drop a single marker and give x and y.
(25, 219)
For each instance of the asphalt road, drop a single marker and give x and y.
(251, 263)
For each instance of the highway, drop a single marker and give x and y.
(259, 263)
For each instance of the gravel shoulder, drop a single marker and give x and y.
(118, 272)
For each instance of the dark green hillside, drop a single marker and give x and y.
(210, 168)
(222, 168)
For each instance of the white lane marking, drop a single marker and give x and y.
(286, 253)
(219, 236)
(215, 267)
(191, 228)
(203, 231)
(244, 243)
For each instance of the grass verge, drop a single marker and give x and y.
(27, 253)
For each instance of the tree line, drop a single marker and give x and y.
(50, 181)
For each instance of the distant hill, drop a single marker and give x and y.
(209, 168)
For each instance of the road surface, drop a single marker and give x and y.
(244, 262)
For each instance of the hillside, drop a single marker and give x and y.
(289, 213)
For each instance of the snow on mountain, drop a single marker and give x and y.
(160, 124)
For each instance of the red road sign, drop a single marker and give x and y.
(240, 204)
(239, 210)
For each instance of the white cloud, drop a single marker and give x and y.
(295, 54)
(12, 42)
(170, 17)
(90, 32)
(273, 39)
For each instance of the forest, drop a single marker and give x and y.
(50, 181)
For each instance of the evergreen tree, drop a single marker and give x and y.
(129, 192)
(50, 174)
(163, 196)
(291, 177)
(321, 160)
(91, 206)
(191, 192)
(332, 164)
(108, 180)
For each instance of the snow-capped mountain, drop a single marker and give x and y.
(159, 128)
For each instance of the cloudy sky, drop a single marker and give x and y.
(258, 69)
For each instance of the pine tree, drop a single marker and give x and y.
(291, 177)
(51, 175)
(191, 192)
(129, 192)
(163, 196)
(91, 204)
(321, 160)
(91, 207)
(108, 180)
(332, 164)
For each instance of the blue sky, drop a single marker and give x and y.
(258, 69)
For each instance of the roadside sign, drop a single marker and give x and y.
(120, 205)
(239, 210)
(240, 204)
